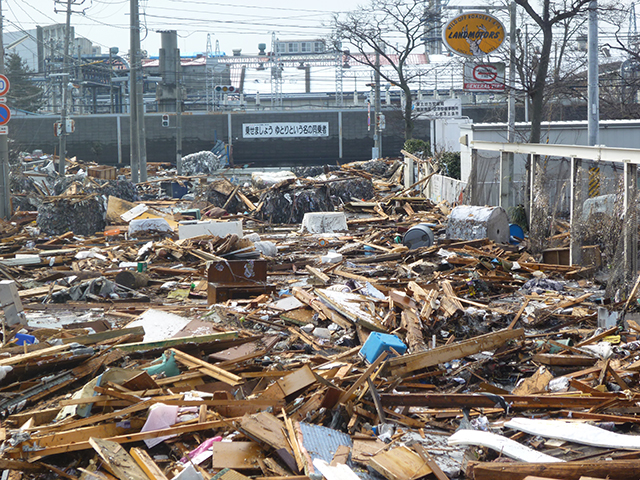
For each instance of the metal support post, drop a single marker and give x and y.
(62, 150)
(178, 113)
(506, 158)
(133, 92)
(506, 179)
(593, 90)
(5, 193)
(533, 165)
(377, 138)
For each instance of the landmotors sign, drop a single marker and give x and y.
(473, 34)
(484, 77)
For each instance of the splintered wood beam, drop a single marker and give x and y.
(363, 378)
(618, 469)
(405, 364)
(130, 438)
(146, 463)
(442, 400)
(117, 460)
(208, 368)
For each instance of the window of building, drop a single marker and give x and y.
(306, 47)
(318, 47)
(293, 47)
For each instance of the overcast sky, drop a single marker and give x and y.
(242, 24)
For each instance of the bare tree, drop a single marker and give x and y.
(547, 15)
(394, 30)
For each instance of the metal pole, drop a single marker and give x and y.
(512, 73)
(377, 137)
(133, 93)
(178, 114)
(5, 193)
(594, 104)
(111, 81)
(506, 159)
(62, 150)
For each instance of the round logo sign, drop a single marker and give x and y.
(485, 73)
(473, 34)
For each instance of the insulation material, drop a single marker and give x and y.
(200, 163)
(82, 216)
(289, 206)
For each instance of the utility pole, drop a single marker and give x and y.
(506, 160)
(134, 41)
(5, 193)
(593, 90)
(178, 113)
(377, 136)
(62, 150)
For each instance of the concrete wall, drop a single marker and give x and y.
(96, 137)
(444, 188)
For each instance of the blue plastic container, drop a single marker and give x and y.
(516, 234)
(378, 343)
(22, 338)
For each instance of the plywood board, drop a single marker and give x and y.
(236, 455)
(400, 464)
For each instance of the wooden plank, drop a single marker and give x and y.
(297, 381)
(125, 412)
(346, 396)
(266, 428)
(31, 355)
(341, 455)
(134, 437)
(208, 368)
(323, 277)
(116, 458)
(400, 464)
(618, 469)
(437, 471)
(173, 342)
(146, 463)
(439, 400)
(564, 360)
(236, 455)
(401, 366)
(313, 301)
(411, 323)
(39, 291)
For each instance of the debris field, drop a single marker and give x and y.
(338, 326)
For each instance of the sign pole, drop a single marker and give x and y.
(5, 193)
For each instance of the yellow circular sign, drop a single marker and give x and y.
(473, 34)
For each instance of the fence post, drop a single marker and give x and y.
(506, 175)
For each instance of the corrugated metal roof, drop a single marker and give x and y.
(322, 442)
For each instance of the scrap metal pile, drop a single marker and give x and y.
(336, 326)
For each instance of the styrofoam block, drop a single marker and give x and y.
(324, 222)
(195, 228)
(331, 257)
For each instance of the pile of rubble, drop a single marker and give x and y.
(340, 326)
